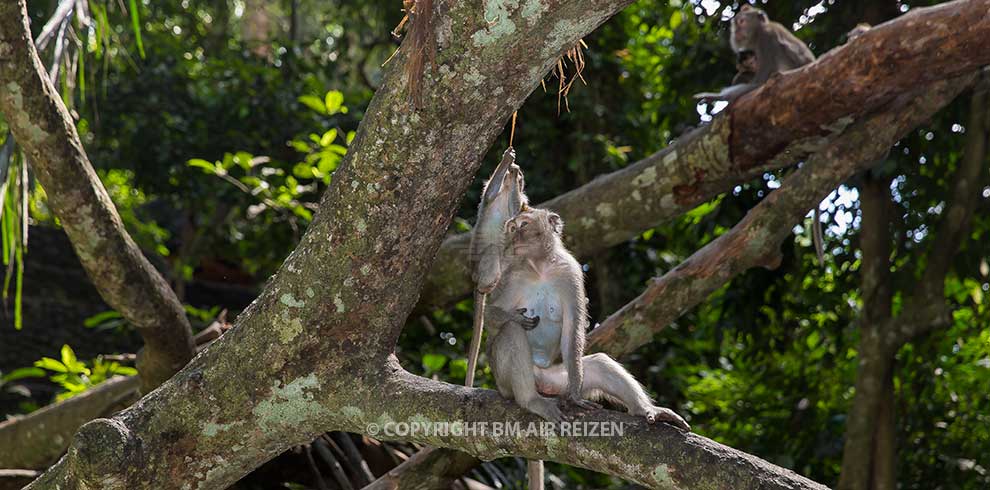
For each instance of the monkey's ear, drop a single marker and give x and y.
(556, 224)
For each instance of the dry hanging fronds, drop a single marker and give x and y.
(420, 43)
(576, 56)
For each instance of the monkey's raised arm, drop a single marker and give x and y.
(495, 184)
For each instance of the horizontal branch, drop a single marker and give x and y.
(756, 240)
(656, 456)
(37, 439)
(787, 119)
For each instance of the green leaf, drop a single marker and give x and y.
(313, 102)
(136, 24)
(68, 355)
(334, 102)
(302, 171)
(125, 371)
(434, 362)
(208, 167)
(51, 365)
(101, 318)
(328, 137)
(24, 372)
(458, 368)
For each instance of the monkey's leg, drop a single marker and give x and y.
(606, 378)
(512, 363)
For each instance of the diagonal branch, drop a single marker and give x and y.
(756, 240)
(787, 119)
(124, 277)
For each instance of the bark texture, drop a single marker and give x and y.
(45, 130)
(784, 121)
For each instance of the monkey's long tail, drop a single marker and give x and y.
(475, 349)
(534, 468)
(816, 235)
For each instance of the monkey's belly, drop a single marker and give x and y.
(544, 340)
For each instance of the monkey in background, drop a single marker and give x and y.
(502, 198)
(764, 48)
(774, 48)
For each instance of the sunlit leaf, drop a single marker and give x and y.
(334, 100)
(314, 103)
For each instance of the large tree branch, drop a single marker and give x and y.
(787, 119)
(756, 240)
(124, 277)
(657, 456)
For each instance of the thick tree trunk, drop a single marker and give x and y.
(867, 458)
(126, 280)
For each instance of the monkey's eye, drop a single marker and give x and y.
(523, 224)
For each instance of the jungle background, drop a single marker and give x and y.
(216, 125)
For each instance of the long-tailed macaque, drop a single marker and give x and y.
(772, 48)
(775, 48)
(502, 198)
(542, 279)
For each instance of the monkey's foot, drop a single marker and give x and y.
(581, 404)
(546, 408)
(654, 414)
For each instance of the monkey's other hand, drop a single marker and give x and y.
(667, 415)
(509, 152)
(527, 322)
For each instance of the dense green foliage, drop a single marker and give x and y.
(216, 151)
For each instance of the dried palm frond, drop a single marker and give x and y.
(576, 56)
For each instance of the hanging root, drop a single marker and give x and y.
(576, 56)
(419, 42)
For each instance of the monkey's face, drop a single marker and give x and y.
(744, 27)
(533, 232)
